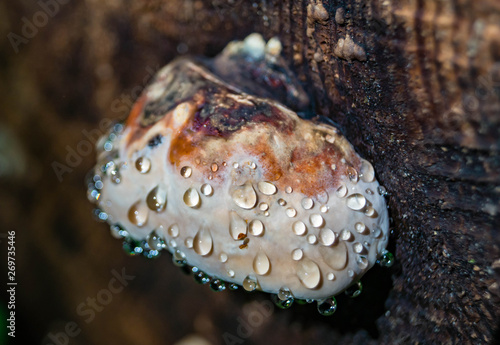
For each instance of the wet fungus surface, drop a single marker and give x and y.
(212, 166)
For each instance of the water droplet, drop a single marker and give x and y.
(155, 241)
(327, 307)
(354, 290)
(362, 262)
(281, 202)
(345, 235)
(307, 203)
(335, 256)
(360, 227)
(297, 254)
(191, 198)
(256, 227)
(172, 244)
(308, 273)
(114, 172)
(356, 202)
(217, 285)
(266, 214)
(179, 258)
(353, 174)
(261, 263)
(223, 257)
(249, 283)
(288, 190)
(230, 273)
(330, 276)
(138, 214)
(367, 171)
(263, 206)
(386, 260)
(206, 189)
(173, 230)
(350, 273)
(237, 226)
(316, 220)
(282, 304)
(245, 196)
(203, 242)
(266, 188)
(370, 212)
(358, 248)
(189, 242)
(214, 167)
(327, 237)
(333, 167)
(377, 233)
(382, 191)
(253, 165)
(132, 247)
(284, 293)
(117, 231)
(312, 239)
(157, 198)
(341, 191)
(186, 172)
(143, 165)
(299, 228)
(369, 191)
(291, 212)
(199, 276)
(323, 209)
(330, 138)
(322, 197)
(235, 165)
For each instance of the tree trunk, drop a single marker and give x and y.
(415, 87)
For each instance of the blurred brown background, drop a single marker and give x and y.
(423, 105)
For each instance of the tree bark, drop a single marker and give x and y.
(414, 85)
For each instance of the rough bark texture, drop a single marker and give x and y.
(415, 87)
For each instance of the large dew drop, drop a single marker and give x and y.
(191, 198)
(202, 243)
(143, 165)
(316, 220)
(157, 198)
(245, 196)
(299, 228)
(367, 171)
(237, 226)
(256, 227)
(356, 202)
(327, 237)
(138, 214)
(266, 188)
(261, 263)
(308, 273)
(250, 283)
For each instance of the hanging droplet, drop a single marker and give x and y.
(335, 256)
(327, 307)
(191, 198)
(284, 299)
(143, 165)
(307, 203)
(382, 191)
(155, 241)
(217, 285)
(256, 227)
(132, 247)
(138, 214)
(117, 231)
(203, 242)
(206, 189)
(114, 173)
(237, 226)
(299, 228)
(362, 262)
(186, 172)
(249, 283)
(327, 236)
(173, 230)
(316, 220)
(179, 258)
(214, 167)
(261, 263)
(367, 171)
(266, 188)
(386, 260)
(297, 254)
(341, 191)
(157, 198)
(354, 290)
(353, 174)
(199, 276)
(288, 190)
(308, 273)
(245, 196)
(356, 201)
(223, 257)
(291, 212)
(360, 227)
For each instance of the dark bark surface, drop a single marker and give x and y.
(415, 87)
